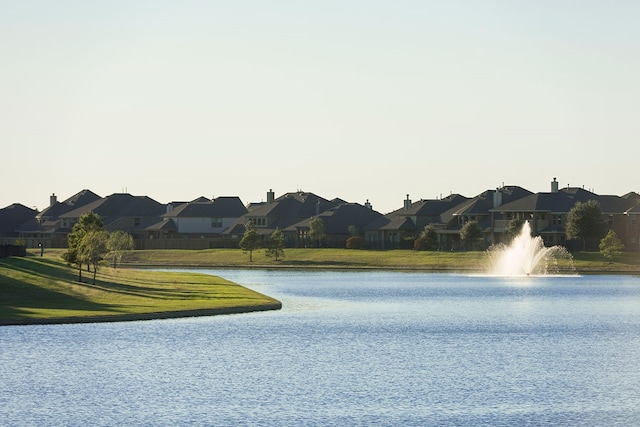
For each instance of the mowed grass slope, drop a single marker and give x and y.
(34, 289)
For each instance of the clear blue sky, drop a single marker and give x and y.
(352, 99)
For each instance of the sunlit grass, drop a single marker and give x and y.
(476, 261)
(46, 288)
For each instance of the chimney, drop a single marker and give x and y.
(554, 186)
(270, 196)
(367, 204)
(497, 198)
(407, 203)
(53, 199)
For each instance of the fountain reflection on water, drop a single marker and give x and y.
(527, 255)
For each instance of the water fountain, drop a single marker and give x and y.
(527, 255)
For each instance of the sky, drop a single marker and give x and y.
(360, 100)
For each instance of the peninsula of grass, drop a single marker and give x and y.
(40, 290)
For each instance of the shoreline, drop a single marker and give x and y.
(132, 317)
(428, 269)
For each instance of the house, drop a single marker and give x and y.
(47, 228)
(200, 219)
(120, 211)
(11, 218)
(547, 213)
(406, 223)
(477, 209)
(631, 233)
(340, 223)
(281, 212)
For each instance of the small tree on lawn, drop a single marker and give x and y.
(585, 222)
(427, 240)
(86, 223)
(316, 231)
(611, 246)
(471, 234)
(250, 240)
(92, 248)
(119, 242)
(275, 246)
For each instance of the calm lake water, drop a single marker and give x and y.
(348, 348)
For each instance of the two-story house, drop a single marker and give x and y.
(201, 219)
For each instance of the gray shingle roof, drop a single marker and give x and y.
(13, 216)
(221, 207)
(119, 205)
(337, 220)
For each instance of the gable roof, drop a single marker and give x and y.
(338, 219)
(13, 216)
(118, 205)
(79, 199)
(164, 225)
(430, 207)
(562, 201)
(221, 207)
(483, 203)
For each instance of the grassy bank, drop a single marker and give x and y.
(474, 261)
(37, 289)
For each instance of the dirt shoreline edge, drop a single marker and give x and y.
(129, 317)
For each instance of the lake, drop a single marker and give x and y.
(348, 348)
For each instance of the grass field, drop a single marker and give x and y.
(37, 289)
(472, 261)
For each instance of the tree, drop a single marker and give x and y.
(92, 248)
(118, 242)
(585, 222)
(427, 240)
(470, 234)
(86, 223)
(250, 240)
(316, 231)
(275, 245)
(611, 246)
(512, 229)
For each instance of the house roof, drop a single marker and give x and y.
(399, 223)
(13, 216)
(119, 205)
(430, 207)
(79, 199)
(221, 207)
(562, 201)
(338, 219)
(164, 225)
(286, 210)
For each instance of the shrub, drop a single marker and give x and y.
(355, 242)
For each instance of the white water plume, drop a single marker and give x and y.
(527, 255)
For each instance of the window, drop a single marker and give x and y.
(216, 222)
(557, 220)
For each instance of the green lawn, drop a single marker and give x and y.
(45, 289)
(472, 261)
